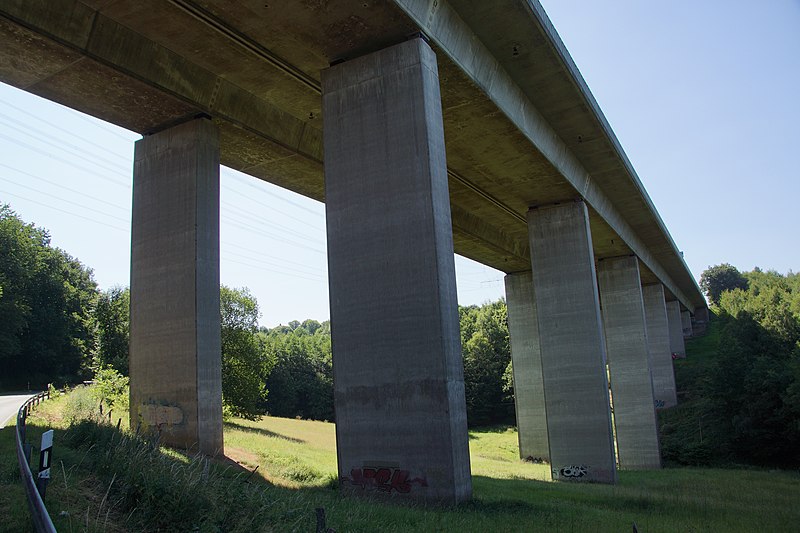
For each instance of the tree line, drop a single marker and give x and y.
(57, 326)
(743, 392)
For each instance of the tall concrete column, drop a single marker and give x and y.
(401, 425)
(700, 321)
(676, 346)
(523, 331)
(655, 312)
(628, 361)
(175, 353)
(572, 344)
(686, 324)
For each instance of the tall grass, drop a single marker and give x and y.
(110, 480)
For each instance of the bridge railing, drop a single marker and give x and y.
(41, 518)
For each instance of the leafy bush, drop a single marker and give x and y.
(81, 404)
(111, 388)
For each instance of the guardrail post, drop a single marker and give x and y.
(34, 488)
(45, 456)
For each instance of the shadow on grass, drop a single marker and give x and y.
(114, 479)
(264, 432)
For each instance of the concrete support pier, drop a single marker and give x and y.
(175, 353)
(523, 331)
(401, 426)
(686, 324)
(655, 310)
(572, 344)
(676, 345)
(628, 361)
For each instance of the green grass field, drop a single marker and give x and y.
(105, 482)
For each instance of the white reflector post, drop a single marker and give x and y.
(46, 454)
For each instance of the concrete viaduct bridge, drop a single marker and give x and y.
(356, 103)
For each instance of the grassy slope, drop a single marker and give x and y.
(510, 496)
(296, 473)
(682, 428)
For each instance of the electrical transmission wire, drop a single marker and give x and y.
(249, 216)
(39, 191)
(271, 207)
(65, 161)
(65, 211)
(73, 151)
(27, 127)
(56, 184)
(270, 193)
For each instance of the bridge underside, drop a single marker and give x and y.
(483, 131)
(254, 68)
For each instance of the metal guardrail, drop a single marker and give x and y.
(41, 518)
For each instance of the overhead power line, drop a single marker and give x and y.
(56, 184)
(39, 152)
(65, 211)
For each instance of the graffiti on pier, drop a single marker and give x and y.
(659, 404)
(384, 479)
(572, 471)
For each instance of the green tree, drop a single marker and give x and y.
(487, 357)
(301, 382)
(46, 311)
(245, 363)
(747, 398)
(113, 326)
(719, 278)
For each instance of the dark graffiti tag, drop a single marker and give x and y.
(573, 472)
(384, 479)
(659, 404)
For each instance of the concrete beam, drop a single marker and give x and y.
(523, 332)
(629, 366)
(655, 309)
(572, 344)
(175, 346)
(401, 424)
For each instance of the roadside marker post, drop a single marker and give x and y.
(45, 456)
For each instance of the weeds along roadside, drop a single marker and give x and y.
(107, 479)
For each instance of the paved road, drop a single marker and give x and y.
(9, 405)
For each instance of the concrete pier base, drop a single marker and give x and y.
(572, 344)
(655, 309)
(401, 426)
(175, 353)
(523, 332)
(628, 361)
(675, 321)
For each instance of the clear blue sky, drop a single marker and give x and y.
(703, 97)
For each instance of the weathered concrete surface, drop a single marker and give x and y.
(686, 324)
(399, 389)
(572, 344)
(629, 365)
(676, 346)
(521, 127)
(523, 332)
(655, 312)
(175, 353)
(700, 321)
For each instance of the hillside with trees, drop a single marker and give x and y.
(47, 306)
(741, 383)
